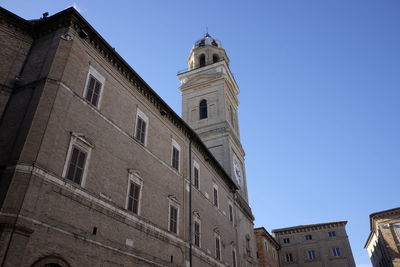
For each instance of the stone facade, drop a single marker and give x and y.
(267, 248)
(95, 168)
(383, 243)
(315, 245)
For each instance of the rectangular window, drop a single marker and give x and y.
(234, 258)
(311, 255)
(196, 178)
(230, 213)
(93, 90)
(289, 257)
(274, 254)
(197, 233)
(286, 240)
(173, 219)
(133, 197)
(336, 252)
(218, 247)
(396, 229)
(308, 237)
(266, 245)
(215, 196)
(175, 158)
(332, 234)
(140, 130)
(76, 165)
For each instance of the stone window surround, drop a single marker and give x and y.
(178, 147)
(92, 71)
(172, 201)
(196, 218)
(143, 116)
(196, 166)
(81, 142)
(134, 176)
(215, 201)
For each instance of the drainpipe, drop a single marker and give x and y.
(190, 202)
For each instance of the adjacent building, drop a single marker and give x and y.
(97, 170)
(315, 245)
(267, 248)
(383, 242)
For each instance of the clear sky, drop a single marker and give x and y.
(320, 89)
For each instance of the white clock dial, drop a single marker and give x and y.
(238, 172)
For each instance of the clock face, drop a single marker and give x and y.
(238, 172)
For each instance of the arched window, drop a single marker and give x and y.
(202, 60)
(203, 109)
(215, 58)
(51, 261)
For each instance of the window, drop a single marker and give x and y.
(203, 109)
(215, 58)
(336, 252)
(94, 86)
(196, 231)
(332, 234)
(274, 254)
(173, 218)
(141, 127)
(308, 237)
(76, 163)
(311, 255)
(218, 247)
(230, 212)
(286, 240)
(396, 229)
(135, 184)
(133, 197)
(175, 155)
(266, 245)
(202, 60)
(289, 257)
(234, 264)
(196, 175)
(215, 188)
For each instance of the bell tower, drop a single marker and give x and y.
(209, 106)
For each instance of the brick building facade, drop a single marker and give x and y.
(267, 248)
(97, 170)
(383, 244)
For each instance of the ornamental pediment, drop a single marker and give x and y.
(199, 79)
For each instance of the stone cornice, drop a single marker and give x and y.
(309, 227)
(70, 18)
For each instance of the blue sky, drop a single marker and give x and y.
(320, 88)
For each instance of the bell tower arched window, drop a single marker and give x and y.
(215, 58)
(202, 60)
(203, 109)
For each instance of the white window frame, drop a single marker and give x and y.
(81, 142)
(178, 147)
(134, 176)
(175, 204)
(336, 252)
(311, 255)
(196, 166)
(196, 219)
(92, 71)
(143, 116)
(266, 245)
(215, 187)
